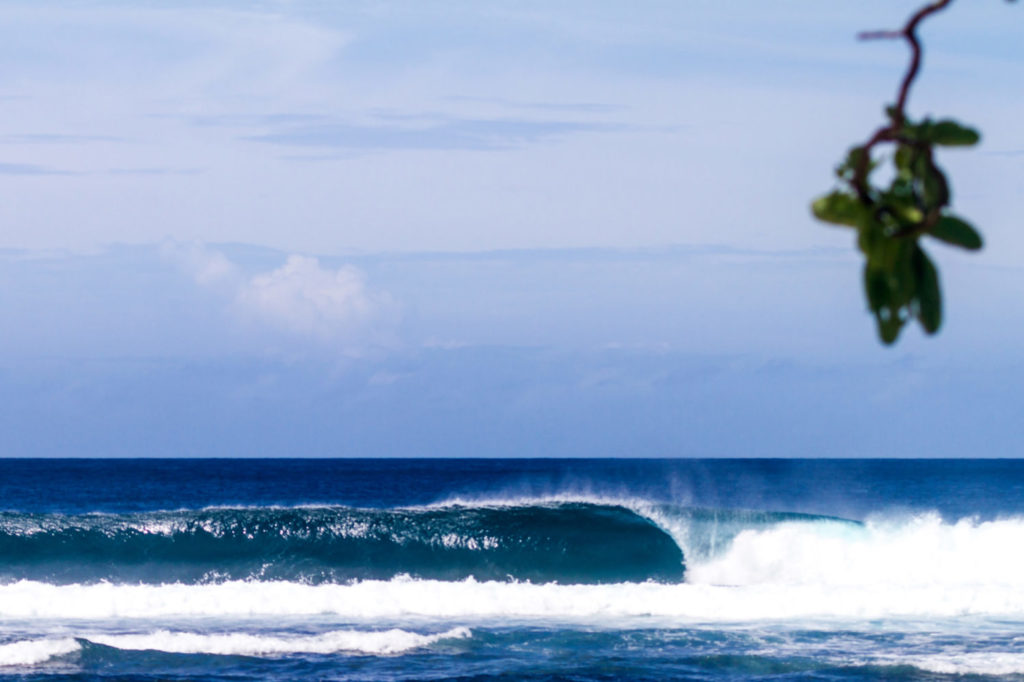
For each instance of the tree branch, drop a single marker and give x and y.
(897, 114)
(900, 281)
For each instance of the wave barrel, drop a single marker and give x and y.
(563, 543)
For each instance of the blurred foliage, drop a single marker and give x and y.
(901, 282)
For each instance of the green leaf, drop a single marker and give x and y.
(889, 330)
(935, 188)
(839, 208)
(902, 187)
(952, 230)
(848, 168)
(868, 236)
(889, 325)
(904, 157)
(853, 157)
(876, 287)
(951, 134)
(929, 295)
(904, 276)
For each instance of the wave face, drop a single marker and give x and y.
(559, 542)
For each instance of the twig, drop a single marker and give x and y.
(898, 115)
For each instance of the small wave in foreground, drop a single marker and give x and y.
(382, 642)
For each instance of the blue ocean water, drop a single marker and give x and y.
(534, 569)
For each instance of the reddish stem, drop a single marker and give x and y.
(898, 116)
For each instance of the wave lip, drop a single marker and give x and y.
(566, 543)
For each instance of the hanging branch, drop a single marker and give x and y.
(897, 113)
(900, 280)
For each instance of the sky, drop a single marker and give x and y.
(560, 228)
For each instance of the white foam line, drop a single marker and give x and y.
(34, 651)
(403, 598)
(242, 644)
(975, 663)
(377, 642)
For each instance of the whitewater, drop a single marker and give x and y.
(918, 567)
(535, 584)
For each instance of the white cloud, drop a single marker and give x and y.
(306, 299)
(300, 302)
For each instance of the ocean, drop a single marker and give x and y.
(526, 569)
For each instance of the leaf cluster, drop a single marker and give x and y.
(900, 281)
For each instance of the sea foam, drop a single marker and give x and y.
(34, 651)
(977, 663)
(468, 599)
(376, 642)
(919, 552)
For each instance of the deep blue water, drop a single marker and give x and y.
(856, 487)
(511, 569)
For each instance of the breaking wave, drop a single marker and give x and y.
(546, 559)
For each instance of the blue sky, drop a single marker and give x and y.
(466, 228)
